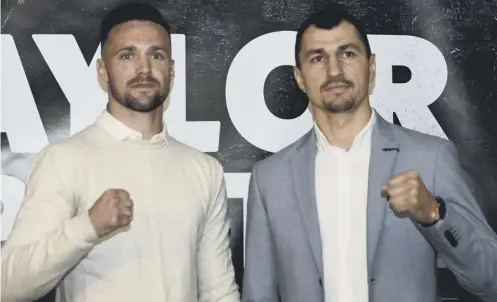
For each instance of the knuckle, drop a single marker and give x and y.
(109, 192)
(112, 201)
(413, 173)
(413, 182)
(109, 195)
(123, 193)
(115, 201)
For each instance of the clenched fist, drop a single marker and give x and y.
(112, 210)
(407, 194)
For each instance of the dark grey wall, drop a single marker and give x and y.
(465, 31)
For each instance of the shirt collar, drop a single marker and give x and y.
(122, 132)
(362, 139)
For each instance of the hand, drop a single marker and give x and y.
(407, 194)
(112, 210)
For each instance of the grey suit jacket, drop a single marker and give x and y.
(283, 244)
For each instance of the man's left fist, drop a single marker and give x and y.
(407, 194)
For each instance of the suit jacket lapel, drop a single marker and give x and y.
(302, 168)
(384, 151)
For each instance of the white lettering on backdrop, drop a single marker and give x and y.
(21, 121)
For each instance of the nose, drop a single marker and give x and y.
(144, 65)
(334, 67)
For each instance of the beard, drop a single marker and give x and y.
(142, 103)
(339, 107)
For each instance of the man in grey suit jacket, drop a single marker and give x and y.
(358, 209)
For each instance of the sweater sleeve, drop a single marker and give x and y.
(216, 279)
(47, 238)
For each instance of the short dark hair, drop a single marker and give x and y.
(327, 18)
(129, 12)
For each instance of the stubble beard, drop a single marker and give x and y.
(142, 103)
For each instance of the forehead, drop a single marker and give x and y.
(138, 33)
(344, 33)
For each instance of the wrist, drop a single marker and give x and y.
(94, 223)
(437, 213)
(80, 229)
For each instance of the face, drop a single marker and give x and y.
(335, 71)
(136, 65)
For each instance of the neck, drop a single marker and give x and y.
(340, 129)
(147, 123)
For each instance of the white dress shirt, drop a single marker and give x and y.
(341, 196)
(175, 250)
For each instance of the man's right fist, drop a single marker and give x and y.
(112, 210)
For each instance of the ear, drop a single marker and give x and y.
(171, 86)
(172, 69)
(372, 73)
(298, 78)
(172, 74)
(103, 77)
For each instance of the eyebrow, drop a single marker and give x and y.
(340, 48)
(349, 45)
(315, 51)
(155, 48)
(127, 48)
(133, 48)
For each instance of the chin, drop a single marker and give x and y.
(142, 104)
(339, 106)
(143, 108)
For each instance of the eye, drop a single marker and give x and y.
(125, 56)
(348, 54)
(158, 56)
(317, 59)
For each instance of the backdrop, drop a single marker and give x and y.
(234, 95)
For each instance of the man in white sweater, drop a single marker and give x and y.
(122, 211)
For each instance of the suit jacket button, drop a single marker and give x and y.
(321, 282)
(450, 238)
